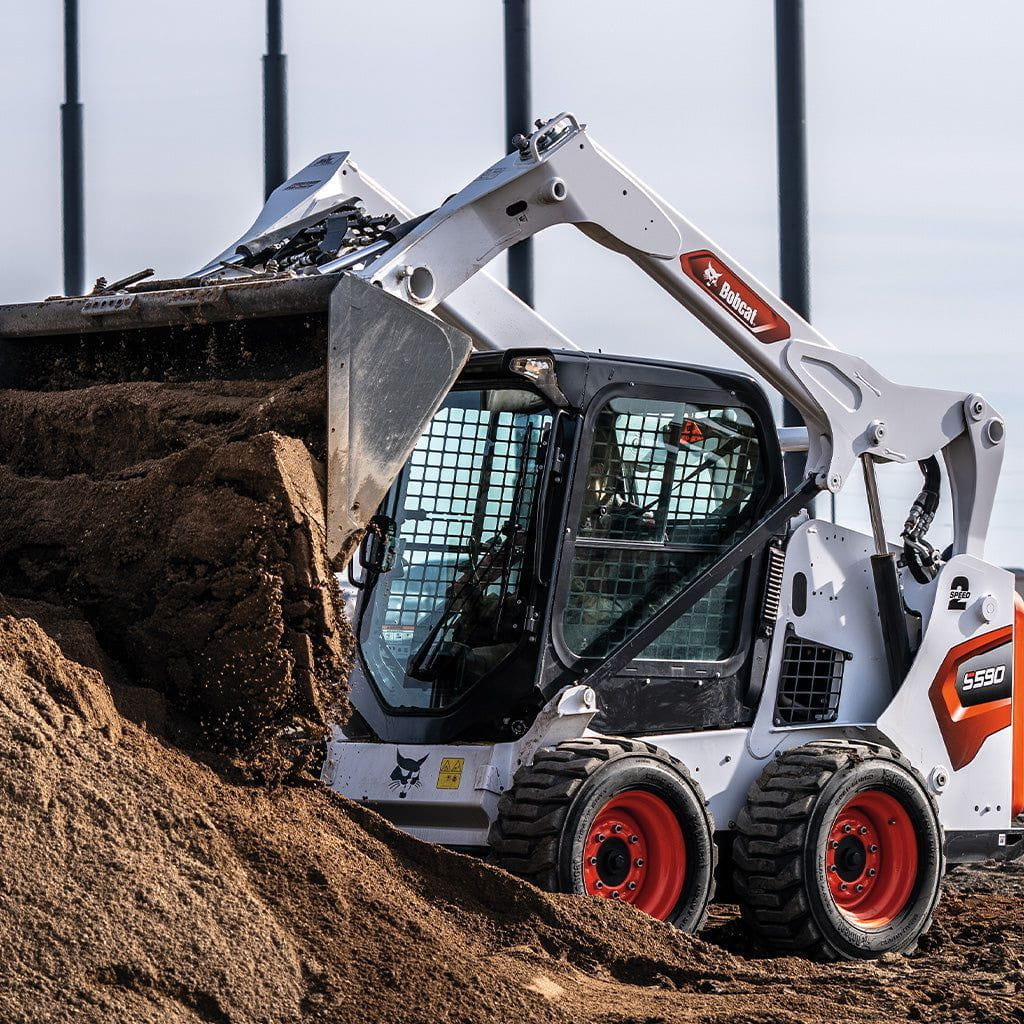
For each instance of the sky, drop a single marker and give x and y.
(915, 153)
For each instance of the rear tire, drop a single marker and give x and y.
(615, 818)
(838, 853)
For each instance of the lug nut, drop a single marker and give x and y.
(842, 885)
(863, 830)
(847, 828)
(860, 888)
(616, 827)
(601, 837)
(871, 872)
(593, 860)
(631, 886)
(835, 845)
(634, 839)
(599, 884)
(832, 867)
(639, 862)
(615, 894)
(872, 848)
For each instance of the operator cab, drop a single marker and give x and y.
(554, 503)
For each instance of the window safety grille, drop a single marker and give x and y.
(810, 683)
(669, 487)
(450, 609)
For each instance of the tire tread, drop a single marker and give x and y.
(768, 846)
(524, 838)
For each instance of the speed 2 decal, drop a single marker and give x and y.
(971, 693)
(959, 594)
(735, 295)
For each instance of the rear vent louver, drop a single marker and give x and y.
(810, 682)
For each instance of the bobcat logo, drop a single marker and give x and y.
(406, 773)
(711, 276)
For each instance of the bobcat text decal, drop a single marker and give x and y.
(735, 295)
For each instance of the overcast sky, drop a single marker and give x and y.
(914, 134)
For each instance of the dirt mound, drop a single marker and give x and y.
(141, 885)
(185, 522)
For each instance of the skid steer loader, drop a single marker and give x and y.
(598, 640)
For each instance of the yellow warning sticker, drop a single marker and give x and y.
(449, 775)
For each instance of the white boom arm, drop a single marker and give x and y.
(560, 175)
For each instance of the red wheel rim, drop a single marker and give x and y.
(871, 859)
(635, 853)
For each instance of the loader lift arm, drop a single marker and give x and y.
(559, 175)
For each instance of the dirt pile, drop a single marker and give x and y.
(141, 885)
(185, 522)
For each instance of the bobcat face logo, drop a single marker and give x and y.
(406, 773)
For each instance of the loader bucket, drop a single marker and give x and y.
(389, 368)
(389, 365)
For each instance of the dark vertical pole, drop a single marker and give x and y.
(275, 103)
(792, 147)
(517, 120)
(72, 163)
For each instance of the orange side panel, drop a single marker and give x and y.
(964, 730)
(1017, 797)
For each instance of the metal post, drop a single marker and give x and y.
(518, 120)
(794, 255)
(275, 103)
(72, 163)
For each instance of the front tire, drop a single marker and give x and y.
(838, 853)
(614, 818)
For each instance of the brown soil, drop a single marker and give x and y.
(184, 522)
(166, 596)
(142, 884)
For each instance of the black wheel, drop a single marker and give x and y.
(838, 853)
(614, 818)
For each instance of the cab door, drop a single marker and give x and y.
(666, 482)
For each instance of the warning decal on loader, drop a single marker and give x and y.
(449, 776)
(737, 297)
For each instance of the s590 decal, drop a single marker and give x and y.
(971, 693)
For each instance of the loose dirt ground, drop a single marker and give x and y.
(142, 882)
(167, 626)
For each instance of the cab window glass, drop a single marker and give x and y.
(670, 486)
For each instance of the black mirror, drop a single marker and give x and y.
(377, 552)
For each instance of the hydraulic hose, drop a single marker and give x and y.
(918, 554)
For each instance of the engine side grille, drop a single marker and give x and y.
(810, 683)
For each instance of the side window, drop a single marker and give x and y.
(670, 486)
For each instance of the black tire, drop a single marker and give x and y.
(545, 820)
(788, 845)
